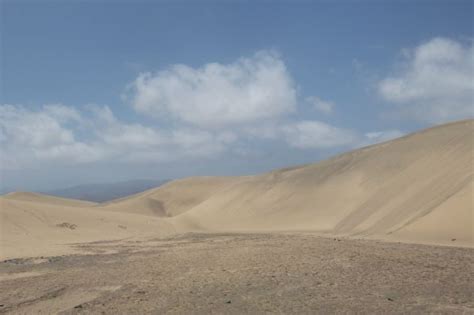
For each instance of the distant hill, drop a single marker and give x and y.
(107, 191)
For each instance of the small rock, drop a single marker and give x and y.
(67, 225)
(78, 306)
(228, 302)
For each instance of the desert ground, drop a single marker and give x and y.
(383, 229)
(242, 274)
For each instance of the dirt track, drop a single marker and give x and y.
(242, 273)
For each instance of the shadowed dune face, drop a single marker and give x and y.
(173, 198)
(418, 188)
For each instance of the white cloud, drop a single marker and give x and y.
(325, 107)
(50, 134)
(217, 95)
(436, 83)
(199, 143)
(28, 135)
(117, 135)
(319, 135)
(268, 130)
(62, 113)
(316, 135)
(208, 111)
(54, 135)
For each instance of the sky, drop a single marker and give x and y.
(105, 91)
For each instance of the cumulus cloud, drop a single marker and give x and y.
(216, 95)
(435, 83)
(26, 135)
(322, 106)
(55, 134)
(59, 134)
(62, 113)
(251, 98)
(201, 112)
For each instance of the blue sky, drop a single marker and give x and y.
(97, 91)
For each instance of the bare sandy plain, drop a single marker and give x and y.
(386, 228)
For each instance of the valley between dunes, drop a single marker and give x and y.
(415, 189)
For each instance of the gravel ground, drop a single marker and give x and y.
(242, 273)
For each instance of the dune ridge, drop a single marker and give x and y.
(418, 188)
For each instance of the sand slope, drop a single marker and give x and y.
(33, 228)
(172, 198)
(47, 199)
(418, 188)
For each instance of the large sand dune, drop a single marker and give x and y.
(418, 188)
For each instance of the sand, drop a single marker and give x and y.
(348, 234)
(416, 189)
(243, 274)
(173, 198)
(37, 228)
(406, 189)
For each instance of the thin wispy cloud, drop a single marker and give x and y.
(322, 106)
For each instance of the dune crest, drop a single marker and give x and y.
(43, 198)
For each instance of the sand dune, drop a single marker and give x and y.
(173, 198)
(418, 188)
(32, 228)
